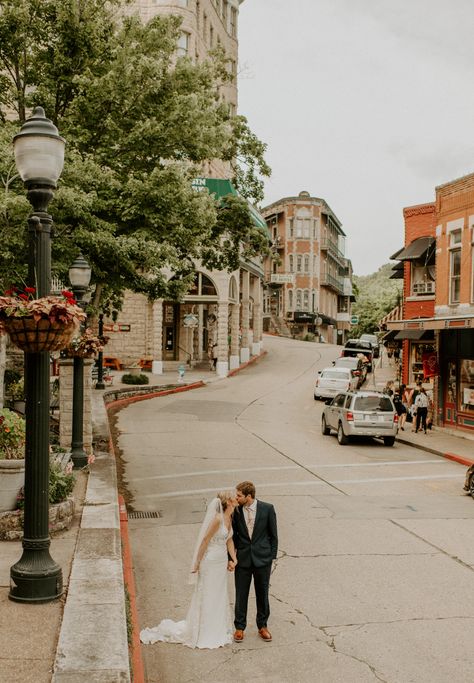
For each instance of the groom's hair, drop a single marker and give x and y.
(247, 488)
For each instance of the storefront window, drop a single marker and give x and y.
(466, 381)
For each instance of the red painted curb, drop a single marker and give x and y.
(249, 362)
(138, 672)
(459, 459)
(145, 397)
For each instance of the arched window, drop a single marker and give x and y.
(303, 224)
(305, 300)
(232, 289)
(290, 299)
(290, 262)
(306, 263)
(299, 261)
(298, 300)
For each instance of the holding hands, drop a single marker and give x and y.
(231, 565)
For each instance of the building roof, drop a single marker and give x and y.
(306, 198)
(414, 250)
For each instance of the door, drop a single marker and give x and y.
(450, 394)
(170, 336)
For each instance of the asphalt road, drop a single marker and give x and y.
(375, 571)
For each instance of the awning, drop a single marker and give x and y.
(221, 187)
(415, 250)
(390, 336)
(398, 271)
(414, 335)
(303, 317)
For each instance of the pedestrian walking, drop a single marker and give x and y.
(398, 401)
(421, 405)
(215, 355)
(256, 543)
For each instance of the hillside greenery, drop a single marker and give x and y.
(376, 295)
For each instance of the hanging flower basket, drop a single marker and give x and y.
(45, 324)
(87, 345)
(34, 336)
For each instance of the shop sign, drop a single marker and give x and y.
(430, 364)
(282, 278)
(190, 320)
(354, 320)
(303, 317)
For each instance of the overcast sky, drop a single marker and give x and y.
(368, 104)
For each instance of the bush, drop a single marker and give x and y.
(10, 377)
(309, 337)
(12, 435)
(61, 485)
(135, 379)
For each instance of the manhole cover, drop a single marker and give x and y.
(139, 514)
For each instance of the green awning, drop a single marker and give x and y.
(220, 187)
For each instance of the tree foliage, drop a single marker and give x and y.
(376, 295)
(138, 122)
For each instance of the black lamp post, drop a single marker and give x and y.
(79, 277)
(39, 157)
(100, 384)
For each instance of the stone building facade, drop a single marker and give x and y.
(308, 282)
(224, 310)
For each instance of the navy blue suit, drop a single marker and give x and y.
(254, 557)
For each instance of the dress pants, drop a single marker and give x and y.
(261, 582)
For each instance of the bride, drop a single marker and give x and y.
(208, 621)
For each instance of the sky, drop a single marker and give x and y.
(368, 104)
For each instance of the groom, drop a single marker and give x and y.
(256, 542)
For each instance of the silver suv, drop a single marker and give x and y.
(360, 413)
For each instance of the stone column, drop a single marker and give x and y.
(157, 337)
(65, 403)
(245, 317)
(257, 314)
(234, 359)
(222, 367)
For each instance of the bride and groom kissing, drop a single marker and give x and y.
(239, 535)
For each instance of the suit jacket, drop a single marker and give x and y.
(262, 548)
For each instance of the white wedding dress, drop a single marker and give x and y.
(208, 622)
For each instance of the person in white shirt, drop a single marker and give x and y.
(421, 404)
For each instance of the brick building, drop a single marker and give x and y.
(451, 364)
(308, 286)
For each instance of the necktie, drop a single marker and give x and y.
(250, 521)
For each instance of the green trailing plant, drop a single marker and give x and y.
(12, 435)
(61, 484)
(16, 391)
(135, 379)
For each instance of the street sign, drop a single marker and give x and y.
(190, 320)
(354, 319)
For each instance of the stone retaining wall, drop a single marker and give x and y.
(60, 517)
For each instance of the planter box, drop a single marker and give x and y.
(12, 478)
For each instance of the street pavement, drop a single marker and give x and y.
(375, 566)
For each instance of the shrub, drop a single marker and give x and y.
(309, 337)
(16, 390)
(135, 379)
(11, 376)
(12, 435)
(61, 485)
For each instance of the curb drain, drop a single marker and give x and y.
(139, 514)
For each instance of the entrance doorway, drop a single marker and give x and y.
(450, 393)
(170, 331)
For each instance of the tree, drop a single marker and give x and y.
(138, 124)
(377, 295)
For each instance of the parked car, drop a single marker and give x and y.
(372, 338)
(469, 481)
(332, 381)
(357, 367)
(360, 349)
(360, 413)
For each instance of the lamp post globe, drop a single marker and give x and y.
(39, 157)
(79, 277)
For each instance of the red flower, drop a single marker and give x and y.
(67, 294)
(30, 290)
(9, 292)
(23, 296)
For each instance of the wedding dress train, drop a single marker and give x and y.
(208, 621)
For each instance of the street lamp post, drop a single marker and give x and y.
(39, 157)
(100, 360)
(79, 277)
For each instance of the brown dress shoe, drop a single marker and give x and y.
(238, 636)
(265, 634)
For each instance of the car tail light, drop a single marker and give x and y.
(395, 418)
(349, 416)
(357, 373)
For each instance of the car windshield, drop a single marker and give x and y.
(358, 344)
(334, 374)
(365, 403)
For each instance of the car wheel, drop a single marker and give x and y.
(341, 437)
(388, 440)
(471, 486)
(316, 398)
(324, 428)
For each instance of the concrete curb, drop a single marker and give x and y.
(450, 456)
(254, 359)
(93, 637)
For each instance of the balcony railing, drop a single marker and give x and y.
(327, 245)
(330, 281)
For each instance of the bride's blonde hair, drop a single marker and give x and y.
(224, 497)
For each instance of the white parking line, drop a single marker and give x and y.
(192, 492)
(200, 473)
